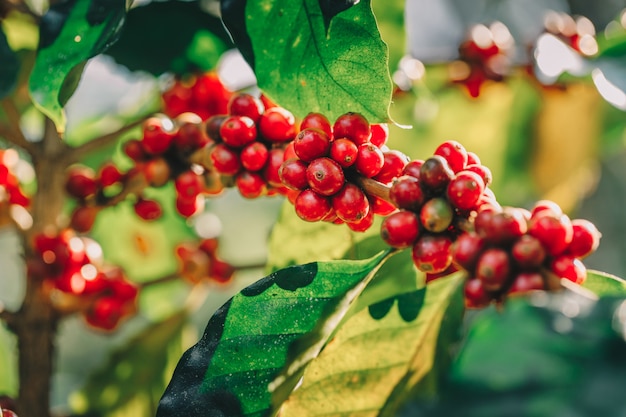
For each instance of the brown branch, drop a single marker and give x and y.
(12, 131)
(77, 153)
(373, 187)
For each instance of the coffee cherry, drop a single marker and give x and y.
(466, 250)
(325, 176)
(350, 203)
(379, 134)
(7, 413)
(568, 267)
(250, 184)
(244, 104)
(546, 205)
(475, 294)
(187, 207)
(526, 281)
(221, 271)
(435, 174)
(133, 148)
(473, 159)
(506, 226)
(270, 172)
(344, 151)
(311, 206)
(436, 215)
(105, 313)
(209, 95)
(225, 159)
(364, 224)
(292, 174)
(380, 206)
(400, 229)
(254, 156)
(413, 168)
(157, 172)
(310, 144)
(188, 184)
(277, 125)
(585, 238)
(465, 190)
(406, 193)
(353, 126)
(190, 135)
(317, 121)
(493, 268)
(238, 131)
(454, 153)
(393, 165)
(148, 209)
(554, 233)
(213, 125)
(108, 175)
(528, 252)
(81, 182)
(482, 171)
(157, 138)
(431, 253)
(83, 218)
(370, 160)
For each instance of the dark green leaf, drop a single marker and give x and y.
(193, 40)
(264, 335)
(305, 68)
(71, 32)
(10, 66)
(604, 284)
(330, 8)
(234, 18)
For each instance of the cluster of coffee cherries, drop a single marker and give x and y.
(203, 94)
(325, 162)
(437, 198)
(10, 188)
(199, 261)
(514, 250)
(484, 55)
(72, 269)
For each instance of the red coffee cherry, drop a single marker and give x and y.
(400, 229)
(133, 148)
(568, 267)
(506, 226)
(317, 121)
(344, 151)
(431, 253)
(292, 174)
(493, 268)
(83, 218)
(353, 126)
(311, 206)
(554, 233)
(464, 190)
(270, 172)
(546, 205)
(325, 176)
(105, 313)
(380, 206)
(436, 215)
(526, 281)
(370, 160)
(406, 193)
(483, 171)
(188, 184)
(350, 203)
(157, 138)
(244, 104)
(435, 174)
(109, 174)
(528, 252)
(190, 134)
(225, 159)
(250, 184)
(466, 250)
(311, 143)
(254, 156)
(379, 134)
(393, 165)
(238, 131)
(585, 238)
(277, 125)
(187, 207)
(475, 294)
(362, 225)
(454, 153)
(148, 209)
(413, 168)
(81, 182)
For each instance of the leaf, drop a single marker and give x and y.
(71, 32)
(604, 284)
(305, 69)
(143, 45)
(10, 66)
(370, 355)
(234, 18)
(271, 329)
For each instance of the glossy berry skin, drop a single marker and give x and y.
(292, 174)
(435, 174)
(325, 176)
(466, 250)
(190, 135)
(350, 203)
(475, 294)
(254, 156)
(436, 215)
(379, 134)
(344, 151)
(406, 193)
(83, 218)
(156, 139)
(454, 153)
(250, 184)
(238, 131)
(483, 171)
(225, 159)
(549, 206)
(370, 160)
(311, 206)
(108, 175)
(528, 252)
(400, 229)
(81, 182)
(464, 190)
(524, 282)
(270, 172)
(317, 121)
(380, 206)
(393, 165)
(8, 413)
(133, 148)
(554, 233)
(244, 104)
(506, 226)
(431, 253)
(362, 225)
(310, 144)
(493, 268)
(413, 168)
(157, 171)
(585, 238)
(353, 126)
(570, 268)
(148, 209)
(188, 184)
(277, 125)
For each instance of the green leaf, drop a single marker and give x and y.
(374, 360)
(71, 32)
(10, 66)
(604, 284)
(266, 334)
(306, 69)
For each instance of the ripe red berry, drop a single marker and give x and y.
(187, 207)
(254, 156)
(325, 176)
(585, 238)
(482, 171)
(413, 168)
(133, 148)
(311, 143)
(190, 135)
(370, 160)
(475, 294)
(109, 174)
(81, 182)
(400, 229)
(209, 95)
(176, 99)
(350, 203)
(105, 313)
(464, 190)
(473, 159)
(270, 172)
(435, 174)
(225, 159)
(406, 193)
(431, 253)
(311, 206)
(344, 151)
(364, 224)
(83, 218)
(353, 126)
(148, 209)
(554, 233)
(436, 215)
(8, 413)
(568, 267)
(292, 174)
(379, 134)
(393, 165)
(158, 134)
(277, 125)
(526, 281)
(238, 131)
(466, 250)
(250, 184)
(454, 153)
(188, 184)
(317, 121)
(546, 205)
(380, 206)
(528, 252)
(221, 271)
(493, 268)
(244, 104)
(506, 226)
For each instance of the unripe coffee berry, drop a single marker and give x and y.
(435, 174)
(436, 215)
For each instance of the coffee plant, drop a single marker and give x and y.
(407, 272)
